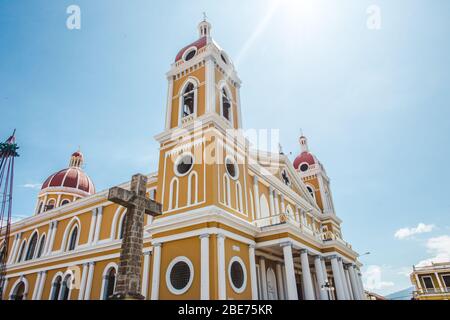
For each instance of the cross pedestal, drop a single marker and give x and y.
(129, 275)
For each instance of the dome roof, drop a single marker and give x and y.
(73, 177)
(304, 157)
(200, 43)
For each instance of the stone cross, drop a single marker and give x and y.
(129, 274)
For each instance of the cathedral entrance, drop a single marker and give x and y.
(272, 293)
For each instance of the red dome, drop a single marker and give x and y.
(73, 177)
(304, 157)
(200, 43)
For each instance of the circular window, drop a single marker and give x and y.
(184, 164)
(179, 276)
(237, 274)
(232, 168)
(304, 167)
(190, 54)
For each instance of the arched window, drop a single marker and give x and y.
(109, 283)
(64, 202)
(188, 104)
(41, 247)
(311, 191)
(122, 225)
(65, 288)
(173, 197)
(21, 251)
(50, 205)
(73, 239)
(193, 188)
(41, 204)
(19, 292)
(226, 105)
(56, 288)
(32, 247)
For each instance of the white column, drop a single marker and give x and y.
(325, 278)
(337, 278)
(52, 239)
(98, 224)
(320, 278)
(262, 268)
(83, 281)
(5, 285)
(41, 285)
(87, 293)
(156, 271)
(290, 271)
(277, 204)
(221, 266)
(355, 287)
(349, 285)
(280, 282)
(253, 281)
(36, 286)
(361, 285)
(92, 227)
(238, 100)
(306, 275)
(256, 196)
(283, 270)
(145, 273)
(272, 204)
(169, 102)
(343, 279)
(58, 200)
(210, 84)
(204, 267)
(283, 207)
(16, 242)
(439, 282)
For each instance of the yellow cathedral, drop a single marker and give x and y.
(236, 223)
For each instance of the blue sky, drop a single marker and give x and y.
(374, 103)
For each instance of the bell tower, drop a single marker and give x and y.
(203, 109)
(203, 82)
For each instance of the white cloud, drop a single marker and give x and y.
(439, 247)
(372, 278)
(404, 233)
(35, 186)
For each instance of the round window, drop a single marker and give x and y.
(237, 274)
(232, 168)
(304, 167)
(190, 55)
(180, 274)
(184, 164)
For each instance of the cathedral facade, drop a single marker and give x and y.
(236, 223)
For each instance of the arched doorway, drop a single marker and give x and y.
(272, 293)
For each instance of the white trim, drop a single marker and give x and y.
(169, 270)
(236, 167)
(177, 162)
(74, 222)
(25, 290)
(242, 264)
(192, 175)
(52, 287)
(173, 203)
(106, 270)
(196, 84)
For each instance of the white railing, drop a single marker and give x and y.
(284, 218)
